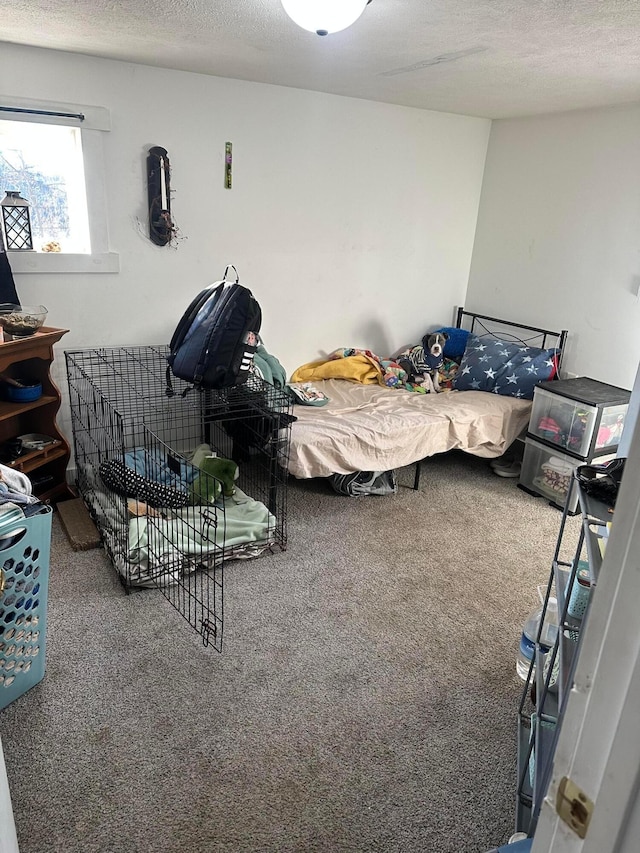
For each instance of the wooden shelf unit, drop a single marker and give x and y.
(31, 357)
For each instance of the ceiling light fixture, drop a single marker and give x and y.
(324, 16)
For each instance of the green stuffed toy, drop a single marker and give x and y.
(205, 489)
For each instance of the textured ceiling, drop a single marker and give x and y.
(492, 58)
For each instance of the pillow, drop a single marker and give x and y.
(503, 367)
(456, 342)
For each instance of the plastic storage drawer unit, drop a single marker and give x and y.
(547, 472)
(581, 416)
(25, 544)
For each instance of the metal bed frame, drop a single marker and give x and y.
(495, 327)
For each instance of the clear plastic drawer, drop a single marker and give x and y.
(578, 427)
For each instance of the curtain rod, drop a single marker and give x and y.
(79, 116)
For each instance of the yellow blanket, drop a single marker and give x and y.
(357, 368)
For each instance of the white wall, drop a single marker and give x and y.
(352, 221)
(558, 237)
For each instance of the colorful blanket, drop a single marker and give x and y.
(365, 367)
(358, 365)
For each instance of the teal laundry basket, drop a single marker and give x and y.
(25, 545)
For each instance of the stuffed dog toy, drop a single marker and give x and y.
(422, 363)
(205, 489)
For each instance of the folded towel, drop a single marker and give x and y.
(16, 481)
(555, 463)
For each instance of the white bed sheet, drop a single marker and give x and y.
(370, 428)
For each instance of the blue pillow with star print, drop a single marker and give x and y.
(504, 367)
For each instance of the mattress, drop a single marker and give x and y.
(371, 428)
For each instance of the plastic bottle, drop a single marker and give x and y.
(530, 632)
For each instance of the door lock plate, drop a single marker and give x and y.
(573, 806)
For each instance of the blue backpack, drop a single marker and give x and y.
(215, 341)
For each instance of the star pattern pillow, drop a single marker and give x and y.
(503, 367)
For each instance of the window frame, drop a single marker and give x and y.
(96, 122)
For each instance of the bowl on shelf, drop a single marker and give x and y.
(20, 321)
(22, 390)
(37, 441)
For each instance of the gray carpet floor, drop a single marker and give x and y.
(365, 698)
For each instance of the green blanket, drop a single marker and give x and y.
(157, 546)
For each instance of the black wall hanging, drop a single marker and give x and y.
(161, 227)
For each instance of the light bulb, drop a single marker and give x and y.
(324, 16)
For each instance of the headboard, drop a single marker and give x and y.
(481, 324)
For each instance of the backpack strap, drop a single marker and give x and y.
(169, 390)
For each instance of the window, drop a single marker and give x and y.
(44, 163)
(52, 154)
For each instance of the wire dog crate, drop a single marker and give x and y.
(139, 447)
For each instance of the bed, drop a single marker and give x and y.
(369, 427)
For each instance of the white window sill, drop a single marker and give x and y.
(59, 262)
